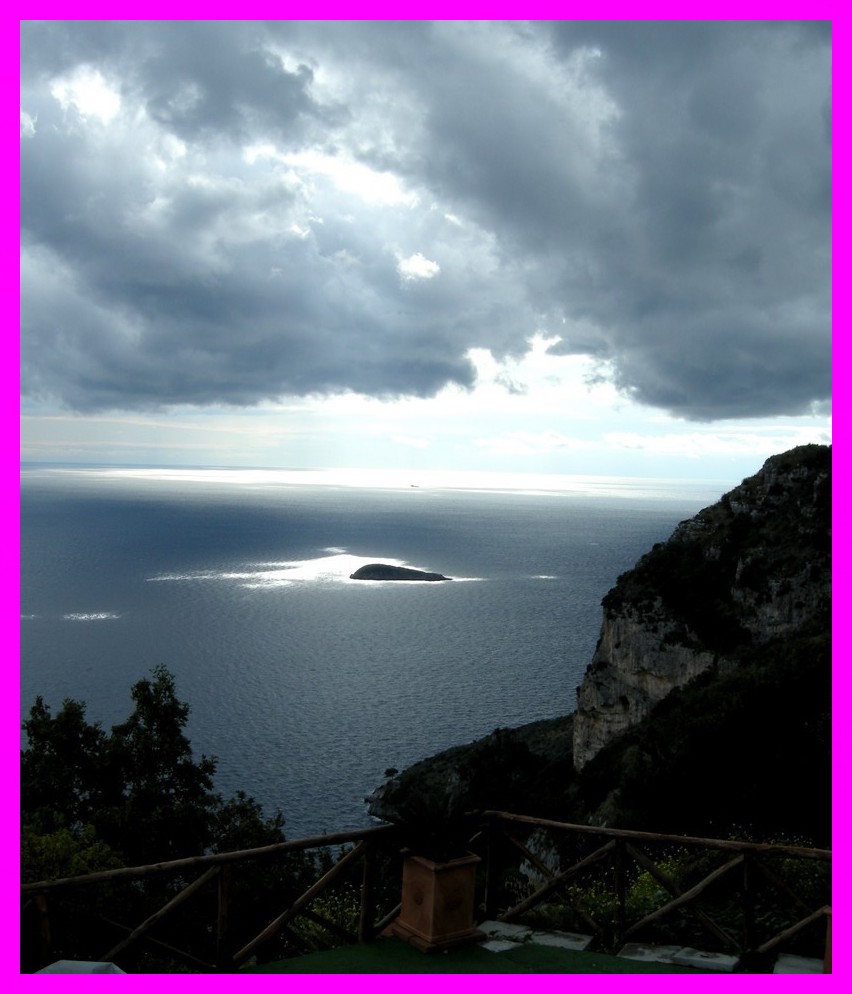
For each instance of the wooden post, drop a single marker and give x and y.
(620, 896)
(490, 872)
(222, 923)
(826, 963)
(748, 938)
(45, 940)
(368, 904)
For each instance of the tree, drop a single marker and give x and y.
(138, 789)
(239, 823)
(165, 799)
(62, 772)
(94, 800)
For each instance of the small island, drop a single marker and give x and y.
(382, 571)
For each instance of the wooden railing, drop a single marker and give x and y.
(606, 863)
(741, 877)
(198, 875)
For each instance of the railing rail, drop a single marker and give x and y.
(732, 845)
(615, 855)
(624, 853)
(210, 859)
(218, 868)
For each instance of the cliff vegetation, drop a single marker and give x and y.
(706, 708)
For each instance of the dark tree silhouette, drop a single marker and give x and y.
(137, 789)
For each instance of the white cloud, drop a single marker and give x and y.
(87, 91)
(27, 124)
(417, 267)
(526, 443)
(374, 187)
(216, 232)
(738, 440)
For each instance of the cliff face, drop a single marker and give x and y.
(754, 566)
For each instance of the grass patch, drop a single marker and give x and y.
(392, 956)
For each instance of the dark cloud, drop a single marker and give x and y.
(721, 309)
(201, 80)
(203, 84)
(658, 194)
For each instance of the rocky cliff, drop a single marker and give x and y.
(750, 568)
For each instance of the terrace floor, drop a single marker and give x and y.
(505, 949)
(393, 956)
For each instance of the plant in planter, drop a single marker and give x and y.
(428, 801)
(439, 871)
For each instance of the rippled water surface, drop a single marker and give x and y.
(305, 684)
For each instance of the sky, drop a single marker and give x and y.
(505, 246)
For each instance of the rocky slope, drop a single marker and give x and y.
(525, 769)
(707, 705)
(751, 568)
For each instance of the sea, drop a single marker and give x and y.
(306, 685)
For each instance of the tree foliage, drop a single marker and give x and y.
(95, 800)
(136, 791)
(770, 533)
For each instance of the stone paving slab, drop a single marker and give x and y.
(503, 936)
(680, 955)
(652, 954)
(506, 930)
(79, 966)
(499, 945)
(506, 935)
(787, 963)
(562, 940)
(707, 961)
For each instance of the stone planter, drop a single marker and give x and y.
(437, 903)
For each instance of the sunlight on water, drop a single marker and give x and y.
(302, 681)
(530, 484)
(94, 616)
(335, 568)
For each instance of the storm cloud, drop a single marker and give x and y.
(234, 212)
